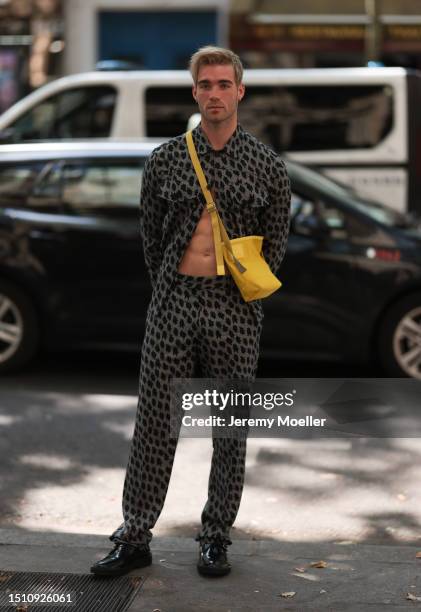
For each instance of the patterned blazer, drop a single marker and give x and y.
(252, 194)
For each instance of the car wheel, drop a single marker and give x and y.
(19, 328)
(400, 338)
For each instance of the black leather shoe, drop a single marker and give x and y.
(121, 560)
(213, 559)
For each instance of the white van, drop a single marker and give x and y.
(361, 126)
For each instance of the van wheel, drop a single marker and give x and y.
(19, 328)
(399, 339)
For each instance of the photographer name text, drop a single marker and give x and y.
(280, 421)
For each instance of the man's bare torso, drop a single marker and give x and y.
(199, 256)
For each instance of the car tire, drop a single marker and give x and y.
(399, 338)
(19, 328)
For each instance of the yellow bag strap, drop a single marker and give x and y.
(217, 225)
(210, 204)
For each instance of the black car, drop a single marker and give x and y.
(72, 270)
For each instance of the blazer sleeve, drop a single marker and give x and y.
(276, 217)
(152, 213)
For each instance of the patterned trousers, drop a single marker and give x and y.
(204, 322)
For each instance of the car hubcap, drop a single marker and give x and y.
(11, 328)
(407, 343)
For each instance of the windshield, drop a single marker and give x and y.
(318, 180)
(383, 214)
(377, 211)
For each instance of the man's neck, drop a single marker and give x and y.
(218, 134)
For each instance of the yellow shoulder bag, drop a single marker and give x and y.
(243, 256)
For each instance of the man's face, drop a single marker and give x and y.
(217, 93)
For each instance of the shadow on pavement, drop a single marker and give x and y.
(60, 420)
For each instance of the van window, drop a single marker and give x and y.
(86, 112)
(167, 110)
(294, 118)
(315, 118)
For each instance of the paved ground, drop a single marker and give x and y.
(356, 577)
(355, 504)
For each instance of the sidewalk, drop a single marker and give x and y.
(356, 577)
(64, 453)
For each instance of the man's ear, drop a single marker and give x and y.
(241, 91)
(193, 90)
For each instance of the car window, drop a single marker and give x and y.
(85, 112)
(17, 182)
(102, 188)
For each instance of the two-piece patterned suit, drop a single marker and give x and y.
(198, 320)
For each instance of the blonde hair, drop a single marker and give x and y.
(211, 56)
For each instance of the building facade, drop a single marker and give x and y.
(326, 33)
(148, 34)
(31, 46)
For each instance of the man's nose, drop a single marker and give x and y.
(214, 90)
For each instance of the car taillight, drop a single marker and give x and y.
(385, 254)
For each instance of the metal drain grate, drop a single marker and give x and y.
(30, 591)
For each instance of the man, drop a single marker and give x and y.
(196, 316)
